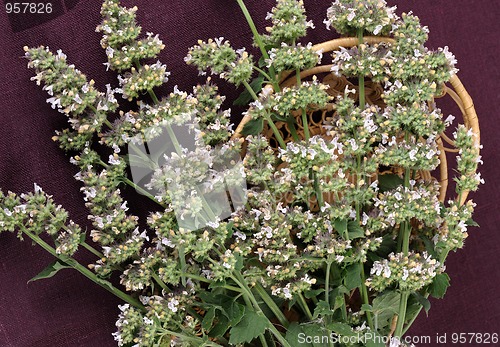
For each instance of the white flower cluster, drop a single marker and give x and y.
(409, 272)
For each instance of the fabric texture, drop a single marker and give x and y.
(69, 310)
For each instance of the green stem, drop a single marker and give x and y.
(92, 249)
(344, 308)
(305, 307)
(108, 123)
(277, 334)
(153, 96)
(83, 270)
(317, 189)
(293, 131)
(182, 261)
(160, 282)
(276, 132)
(305, 121)
(258, 40)
(263, 341)
(239, 280)
(401, 315)
(271, 304)
(142, 191)
(206, 280)
(361, 79)
(265, 74)
(364, 294)
(327, 282)
(175, 141)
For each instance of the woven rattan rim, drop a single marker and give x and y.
(457, 92)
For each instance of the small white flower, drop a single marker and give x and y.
(352, 14)
(377, 30)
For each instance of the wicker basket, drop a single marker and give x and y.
(373, 93)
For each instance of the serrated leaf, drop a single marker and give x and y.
(208, 320)
(353, 276)
(322, 309)
(439, 285)
(253, 127)
(389, 182)
(245, 97)
(251, 326)
(50, 270)
(423, 301)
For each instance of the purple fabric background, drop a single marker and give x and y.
(69, 310)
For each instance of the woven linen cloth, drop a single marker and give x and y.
(69, 310)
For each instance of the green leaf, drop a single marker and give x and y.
(423, 301)
(262, 61)
(355, 230)
(438, 287)
(253, 127)
(309, 294)
(471, 223)
(50, 270)
(292, 335)
(340, 226)
(239, 262)
(251, 326)
(316, 333)
(234, 312)
(208, 320)
(322, 309)
(366, 308)
(389, 182)
(353, 276)
(215, 299)
(388, 246)
(339, 302)
(245, 97)
(220, 327)
(385, 306)
(430, 247)
(342, 329)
